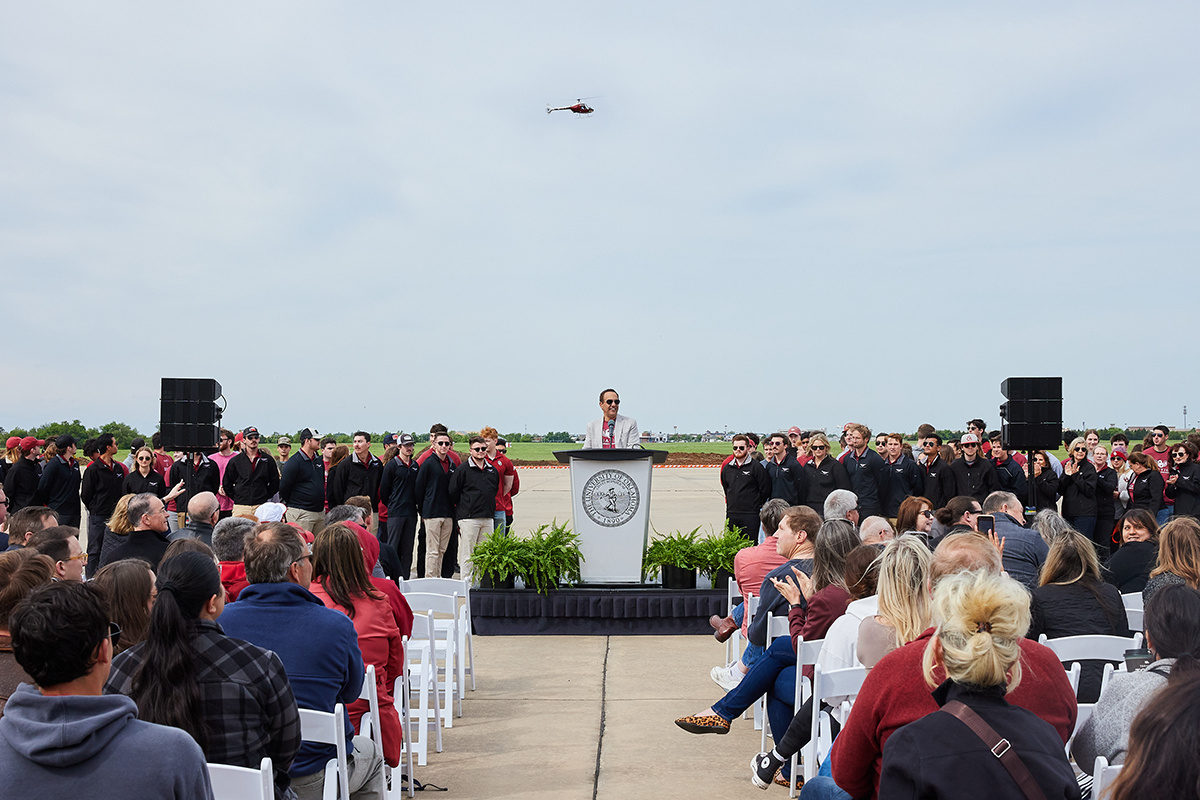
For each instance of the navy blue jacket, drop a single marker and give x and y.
(939, 482)
(906, 479)
(318, 648)
(398, 489)
(59, 489)
(433, 489)
(789, 481)
(302, 484)
(869, 479)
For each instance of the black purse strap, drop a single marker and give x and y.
(1001, 748)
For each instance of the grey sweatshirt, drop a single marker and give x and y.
(94, 747)
(1106, 733)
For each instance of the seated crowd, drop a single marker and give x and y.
(939, 586)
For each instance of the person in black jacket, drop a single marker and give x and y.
(148, 539)
(251, 477)
(144, 479)
(473, 488)
(981, 619)
(825, 474)
(302, 484)
(974, 475)
(869, 474)
(434, 503)
(1129, 567)
(1107, 481)
(1045, 481)
(1146, 490)
(398, 491)
(59, 484)
(1009, 474)
(939, 480)
(197, 474)
(1183, 485)
(100, 489)
(1072, 600)
(747, 486)
(1078, 489)
(21, 482)
(789, 481)
(906, 479)
(358, 475)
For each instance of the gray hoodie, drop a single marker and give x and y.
(94, 747)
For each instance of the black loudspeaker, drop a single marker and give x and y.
(1032, 417)
(188, 414)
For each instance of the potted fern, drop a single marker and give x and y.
(718, 551)
(676, 556)
(554, 558)
(499, 558)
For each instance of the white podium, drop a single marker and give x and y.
(610, 502)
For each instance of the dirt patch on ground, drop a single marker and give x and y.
(678, 459)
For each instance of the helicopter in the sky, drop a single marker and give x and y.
(579, 107)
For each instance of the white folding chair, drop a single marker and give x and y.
(466, 641)
(1103, 775)
(1134, 615)
(420, 676)
(371, 723)
(1073, 674)
(402, 697)
(752, 609)
(445, 645)
(806, 654)
(324, 727)
(776, 627)
(1109, 669)
(1082, 716)
(1134, 601)
(733, 596)
(836, 683)
(242, 783)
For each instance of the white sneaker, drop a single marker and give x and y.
(727, 677)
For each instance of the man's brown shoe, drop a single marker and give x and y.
(723, 627)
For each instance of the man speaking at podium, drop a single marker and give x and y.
(612, 431)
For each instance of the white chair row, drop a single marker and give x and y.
(420, 678)
(242, 783)
(466, 640)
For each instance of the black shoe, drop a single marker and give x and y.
(763, 768)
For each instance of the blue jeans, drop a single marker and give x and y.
(773, 675)
(501, 520)
(1085, 525)
(753, 652)
(1164, 515)
(823, 788)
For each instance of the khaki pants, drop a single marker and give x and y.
(244, 511)
(437, 537)
(471, 533)
(366, 775)
(311, 521)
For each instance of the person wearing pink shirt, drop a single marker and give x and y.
(221, 457)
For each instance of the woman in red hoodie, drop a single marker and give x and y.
(341, 582)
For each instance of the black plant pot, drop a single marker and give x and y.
(487, 582)
(678, 578)
(721, 580)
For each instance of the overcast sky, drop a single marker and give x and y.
(360, 215)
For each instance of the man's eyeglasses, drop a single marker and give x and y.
(81, 557)
(612, 402)
(501, 452)
(969, 444)
(1157, 436)
(114, 633)
(479, 449)
(441, 444)
(738, 447)
(254, 437)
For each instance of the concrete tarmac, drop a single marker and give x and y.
(593, 718)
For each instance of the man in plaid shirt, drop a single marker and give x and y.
(246, 698)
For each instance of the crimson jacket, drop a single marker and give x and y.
(895, 694)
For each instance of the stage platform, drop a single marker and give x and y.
(612, 610)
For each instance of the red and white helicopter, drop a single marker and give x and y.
(579, 107)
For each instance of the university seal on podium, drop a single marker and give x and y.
(610, 498)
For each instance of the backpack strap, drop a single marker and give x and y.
(1001, 748)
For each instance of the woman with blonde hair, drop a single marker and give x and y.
(143, 479)
(1077, 486)
(1072, 600)
(117, 528)
(1178, 556)
(981, 619)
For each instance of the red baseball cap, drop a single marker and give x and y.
(795, 430)
(28, 443)
(12, 442)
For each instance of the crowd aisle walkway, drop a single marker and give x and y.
(592, 718)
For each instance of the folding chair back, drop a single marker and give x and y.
(1134, 601)
(371, 724)
(466, 641)
(420, 676)
(836, 683)
(445, 630)
(1091, 647)
(806, 654)
(323, 727)
(242, 783)
(1135, 615)
(733, 596)
(1103, 774)
(776, 627)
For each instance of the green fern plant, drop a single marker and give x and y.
(555, 557)
(501, 555)
(717, 551)
(674, 550)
